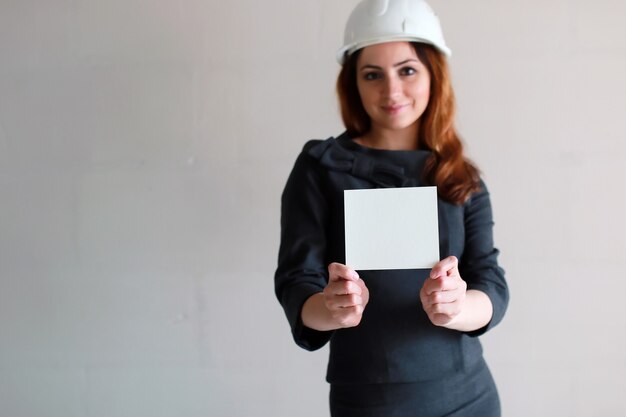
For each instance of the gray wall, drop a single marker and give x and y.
(143, 149)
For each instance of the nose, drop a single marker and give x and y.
(392, 86)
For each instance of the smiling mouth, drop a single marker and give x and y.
(394, 108)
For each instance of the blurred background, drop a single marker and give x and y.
(143, 149)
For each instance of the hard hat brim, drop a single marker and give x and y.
(350, 49)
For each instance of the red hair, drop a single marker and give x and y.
(454, 175)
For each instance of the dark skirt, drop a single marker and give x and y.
(466, 394)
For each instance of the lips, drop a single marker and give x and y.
(394, 108)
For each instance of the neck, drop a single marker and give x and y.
(392, 140)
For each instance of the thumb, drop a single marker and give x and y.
(442, 267)
(338, 272)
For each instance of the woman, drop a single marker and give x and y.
(402, 342)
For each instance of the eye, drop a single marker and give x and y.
(408, 71)
(371, 76)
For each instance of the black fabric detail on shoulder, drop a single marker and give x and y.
(336, 158)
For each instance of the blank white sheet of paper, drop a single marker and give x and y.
(391, 228)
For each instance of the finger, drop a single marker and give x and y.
(444, 267)
(442, 297)
(449, 309)
(450, 283)
(362, 286)
(354, 310)
(343, 287)
(429, 301)
(337, 271)
(349, 316)
(432, 285)
(344, 301)
(440, 319)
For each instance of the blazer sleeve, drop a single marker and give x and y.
(479, 263)
(302, 269)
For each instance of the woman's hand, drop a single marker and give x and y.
(340, 305)
(443, 293)
(345, 296)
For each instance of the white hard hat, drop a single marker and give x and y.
(380, 21)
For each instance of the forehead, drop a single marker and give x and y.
(387, 53)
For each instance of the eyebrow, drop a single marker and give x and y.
(369, 66)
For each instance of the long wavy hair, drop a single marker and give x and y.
(454, 175)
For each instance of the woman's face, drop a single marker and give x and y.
(394, 85)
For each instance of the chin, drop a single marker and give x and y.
(401, 125)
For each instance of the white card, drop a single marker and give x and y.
(391, 228)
